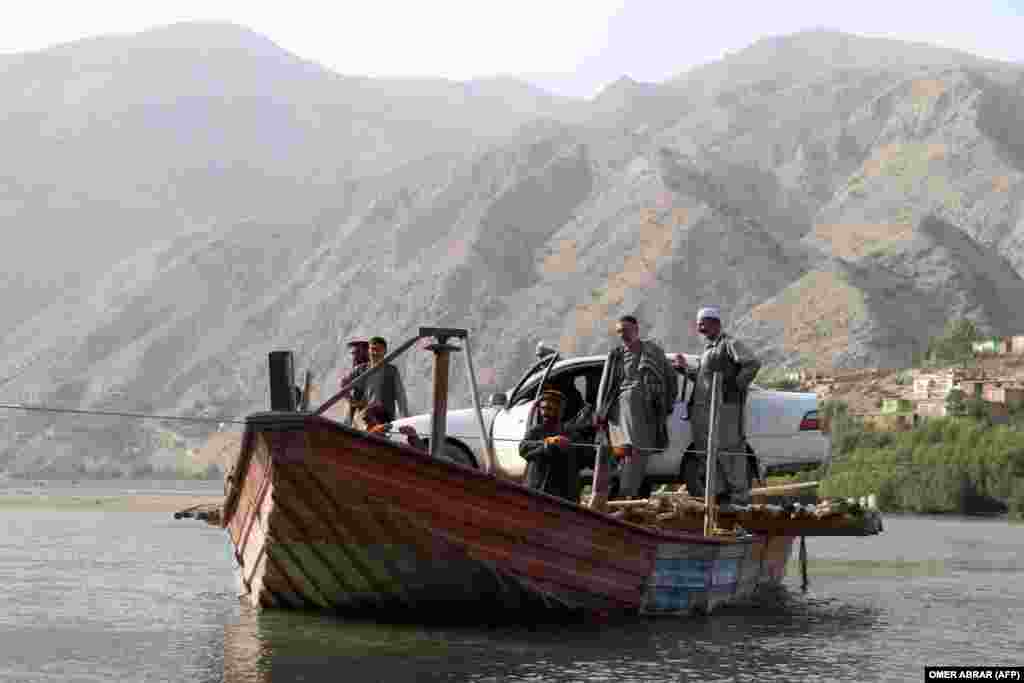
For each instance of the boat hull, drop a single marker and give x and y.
(325, 517)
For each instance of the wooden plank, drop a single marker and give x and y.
(428, 519)
(415, 490)
(335, 443)
(323, 526)
(784, 489)
(317, 567)
(425, 519)
(452, 509)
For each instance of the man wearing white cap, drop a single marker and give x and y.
(739, 366)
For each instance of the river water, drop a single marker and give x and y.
(130, 596)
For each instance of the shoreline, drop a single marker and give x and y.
(129, 502)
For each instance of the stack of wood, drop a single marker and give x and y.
(677, 510)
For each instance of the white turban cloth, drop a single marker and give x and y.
(709, 312)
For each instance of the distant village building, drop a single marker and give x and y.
(996, 393)
(992, 345)
(931, 408)
(999, 413)
(1014, 344)
(972, 388)
(933, 385)
(936, 384)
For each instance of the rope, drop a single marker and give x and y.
(117, 413)
(580, 444)
(464, 437)
(231, 420)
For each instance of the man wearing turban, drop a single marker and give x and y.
(739, 366)
(552, 460)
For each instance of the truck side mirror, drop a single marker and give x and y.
(498, 400)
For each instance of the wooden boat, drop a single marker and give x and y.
(324, 516)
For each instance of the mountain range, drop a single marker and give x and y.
(186, 199)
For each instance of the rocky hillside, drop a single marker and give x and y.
(115, 142)
(840, 198)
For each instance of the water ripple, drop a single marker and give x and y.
(139, 597)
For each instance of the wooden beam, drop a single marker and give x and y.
(784, 489)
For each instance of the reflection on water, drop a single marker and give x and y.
(778, 635)
(92, 596)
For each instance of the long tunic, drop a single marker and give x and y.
(739, 366)
(646, 386)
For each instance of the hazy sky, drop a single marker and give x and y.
(579, 45)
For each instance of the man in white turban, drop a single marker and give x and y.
(739, 366)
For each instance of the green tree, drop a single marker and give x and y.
(977, 408)
(955, 403)
(954, 345)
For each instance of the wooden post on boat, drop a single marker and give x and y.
(710, 505)
(487, 446)
(803, 563)
(602, 458)
(439, 416)
(304, 396)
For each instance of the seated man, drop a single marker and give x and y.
(553, 463)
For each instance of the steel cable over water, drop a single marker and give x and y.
(464, 437)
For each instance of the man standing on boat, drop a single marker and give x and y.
(359, 349)
(739, 366)
(385, 386)
(552, 462)
(638, 399)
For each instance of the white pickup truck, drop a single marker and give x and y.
(781, 426)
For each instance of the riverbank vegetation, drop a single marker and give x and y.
(960, 464)
(186, 470)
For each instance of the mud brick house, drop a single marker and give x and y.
(938, 383)
(990, 346)
(1011, 345)
(1003, 394)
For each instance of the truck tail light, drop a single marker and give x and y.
(810, 422)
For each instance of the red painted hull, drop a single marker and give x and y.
(323, 516)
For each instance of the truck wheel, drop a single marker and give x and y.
(693, 474)
(458, 454)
